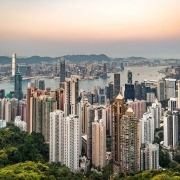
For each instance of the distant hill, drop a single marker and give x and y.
(91, 57)
(135, 58)
(38, 59)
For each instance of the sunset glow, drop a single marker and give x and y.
(88, 21)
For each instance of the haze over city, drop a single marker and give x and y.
(117, 28)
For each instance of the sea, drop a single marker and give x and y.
(138, 74)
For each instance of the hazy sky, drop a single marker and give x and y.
(118, 28)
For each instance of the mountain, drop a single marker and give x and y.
(38, 59)
(135, 58)
(91, 57)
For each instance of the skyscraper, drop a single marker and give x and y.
(129, 92)
(170, 88)
(179, 94)
(161, 90)
(147, 128)
(129, 77)
(65, 139)
(98, 144)
(118, 110)
(150, 157)
(13, 64)
(71, 95)
(129, 143)
(62, 70)
(137, 90)
(116, 84)
(41, 84)
(18, 86)
(172, 128)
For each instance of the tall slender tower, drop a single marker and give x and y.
(118, 110)
(129, 77)
(116, 84)
(18, 86)
(129, 143)
(13, 64)
(178, 94)
(62, 70)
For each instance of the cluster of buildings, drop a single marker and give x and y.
(76, 123)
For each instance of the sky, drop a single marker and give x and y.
(117, 28)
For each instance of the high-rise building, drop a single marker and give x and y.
(30, 91)
(150, 97)
(156, 112)
(129, 143)
(150, 157)
(65, 140)
(41, 85)
(110, 91)
(129, 77)
(2, 93)
(118, 110)
(117, 86)
(28, 71)
(13, 64)
(147, 128)
(22, 125)
(139, 107)
(172, 128)
(71, 95)
(40, 108)
(161, 90)
(170, 88)
(143, 90)
(62, 70)
(172, 104)
(98, 143)
(18, 94)
(137, 90)
(129, 92)
(178, 84)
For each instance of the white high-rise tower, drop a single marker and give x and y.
(13, 64)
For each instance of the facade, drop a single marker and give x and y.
(65, 139)
(22, 125)
(170, 88)
(2, 123)
(137, 90)
(62, 70)
(71, 95)
(150, 97)
(147, 128)
(98, 144)
(150, 157)
(129, 92)
(129, 77)
(41, 85)
(172, 128)
(161, 90)
(129, 143)
(118, 110)
(139, 107)
(156, 112)
(117, 86)
(18, 94)
(178, 93)
(40, 108)
(172, 104)
(13, 64)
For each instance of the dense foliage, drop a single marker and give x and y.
(154, 175)
(36, 171)
(16, 146)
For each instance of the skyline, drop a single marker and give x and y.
(116, 28)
